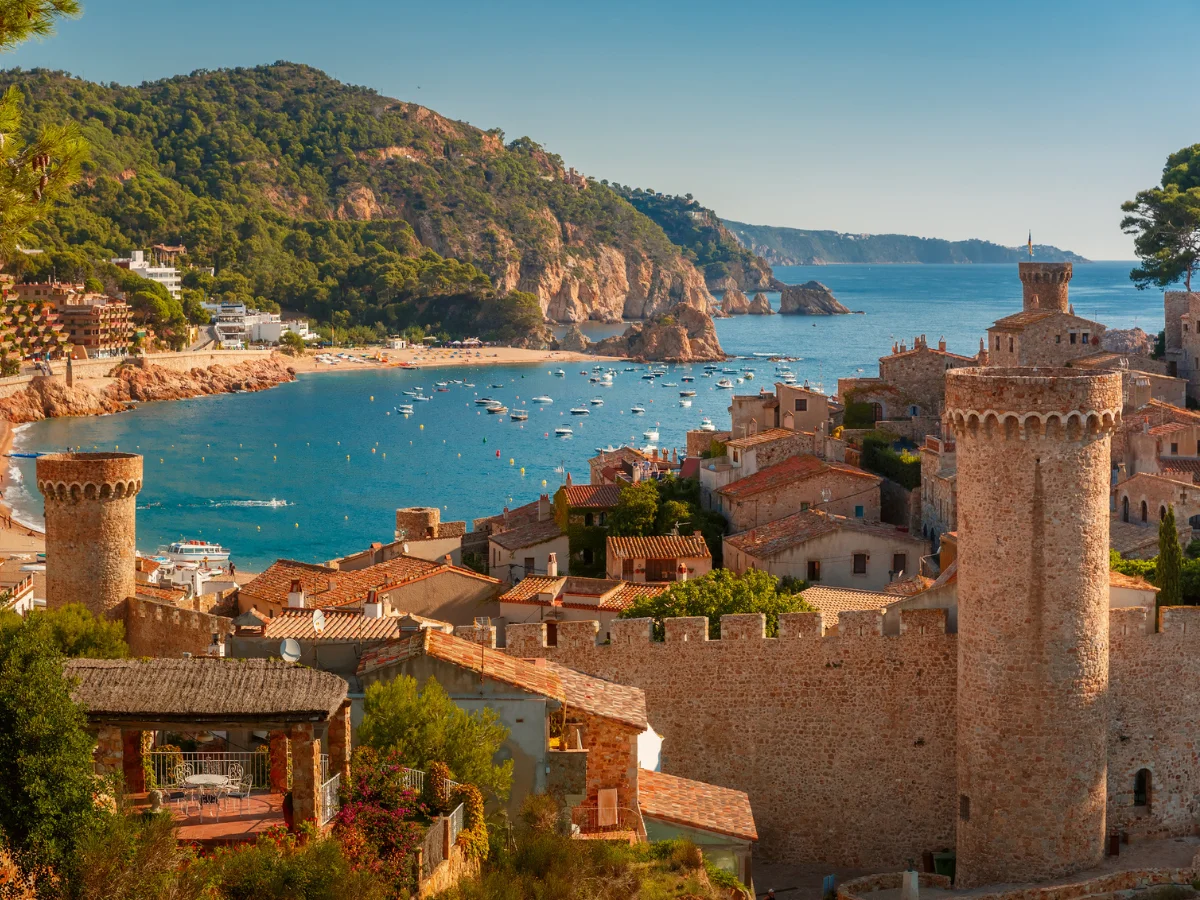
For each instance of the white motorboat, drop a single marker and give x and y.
(638, 409)
(560, 373)
(580, 411)
(597, 401)
(687, 393)
(707, 425)
(196, 551)
(405, 409)
(485, 401)
(651, 434)
(411, 393)
(688, 378)
(685, 402)
(498, 409)
(725, 384)
(748, 374)
(542, 399)
(495, 386)
(564, 431)
(669, 384)
(423, 399)
(441, 384)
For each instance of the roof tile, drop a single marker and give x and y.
(782, 534)
(695, 804)
(592, 496)
(832, 601)
(791, 470)
(670, 546)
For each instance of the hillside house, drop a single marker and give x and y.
(571, 599)
(662, 558)
(796, 484)
(582, 510)
(744, 456)
(527, 549)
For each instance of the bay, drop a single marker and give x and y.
(342, 462)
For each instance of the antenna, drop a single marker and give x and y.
(318, 620)
(289, 649)
(482, 623)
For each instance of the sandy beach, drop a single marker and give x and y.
(17, 538)
(428, 357)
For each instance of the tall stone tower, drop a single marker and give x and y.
(1033, 470)
(1044, 285)
(91, 510)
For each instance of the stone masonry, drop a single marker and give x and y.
(1033, 469)
(90, 516)
(1045, 285)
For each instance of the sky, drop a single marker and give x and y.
(964, 119)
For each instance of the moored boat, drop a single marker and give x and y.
(196, 551)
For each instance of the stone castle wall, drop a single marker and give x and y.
(160, 629)
(920, 375)
(90, 517)
(1045, 285)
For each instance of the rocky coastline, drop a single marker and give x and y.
(810, 299)
(50, 398)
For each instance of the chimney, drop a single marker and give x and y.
(448, 560)
(552, 565)
(404, 548)
(543, 508)
(681, 572)
(568, 479)
(329, 584)
(372, 609)
(296, 595)
(942, 343)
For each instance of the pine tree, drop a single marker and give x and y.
(1170, 563)
(33, 174)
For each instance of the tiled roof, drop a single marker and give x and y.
(944, 353)
(783, 534)
(610, 594)
(325, 586)
(670, 546)
(1187, 470)
(631, 591)
(592, 496)
(792, 469)
(695, 804)
(763, 437)
(1156, 412)
(600, 697)
(494, 664)
(1111, 359)
(527, 535)
(1017, 321)
(154, 592)
(832, 601)
(907, 587)
(1121, 580)
(1169, 428)
(341, 625)
(525, 590)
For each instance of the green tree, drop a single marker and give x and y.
(1170, 562)
(426, 726)
(72, 631)
(46, 780)
(291, 342)
(38, 172)
(719, 593)
(1165, 222)
(93, 285)
(636, 511)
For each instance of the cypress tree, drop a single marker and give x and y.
(1170, 563)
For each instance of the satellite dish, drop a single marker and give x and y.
(289, 649)
(318, 621)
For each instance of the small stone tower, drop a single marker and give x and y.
(91, 512)
(1033, 472)
(1044, 285)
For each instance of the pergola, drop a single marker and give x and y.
(124, 697)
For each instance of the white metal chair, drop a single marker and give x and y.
(234, 775)
(241, 790)
(181, 790)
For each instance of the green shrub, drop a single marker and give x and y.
(903, 468)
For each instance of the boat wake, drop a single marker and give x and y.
(270, 504)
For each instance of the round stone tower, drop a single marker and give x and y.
(91, 510)
(1033, 472)
(1044, 285)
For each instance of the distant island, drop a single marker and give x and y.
(795, 247)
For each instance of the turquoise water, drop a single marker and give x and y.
(213, 464)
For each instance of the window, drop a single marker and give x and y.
(1162, 513)
(1143, 510)
(1174, 449)
(1058, 339)
(964, 807)
(603, 520)
(801, 404)
(588, 519)
(627, 569)
(660, 569)
(997, 342)
(804, 504)
(1073, 336)
(860, 564)
(858, 512)
(1086, 335)
(529, 565)
(814, 570)
(914, 410)
(899, 563)
(877, 411)
(551, 634)
(588, 556)
(1124, 509)
(1010, 345)
(1141, 788)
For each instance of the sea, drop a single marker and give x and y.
(315, 469)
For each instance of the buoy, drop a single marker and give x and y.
(372, 449)
(543, 482)
(202, 459)
(274, 459)
(259, 528)
(347, 518)
(372, 398)
(347, 456)
(160, 460)
(460, 456)
(235, 459)
(115, 446)
(297, 524)
(511, 461)
(522, 470)
(385, 456)
(497, 454)
(422, 426)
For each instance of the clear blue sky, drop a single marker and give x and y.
(944, 119)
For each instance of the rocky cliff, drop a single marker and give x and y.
(734, 302)
(760, 306)
(50, 398)
(573, 341)
(684, 334)
(1128, 340)
(810, 299)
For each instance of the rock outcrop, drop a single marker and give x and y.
(49, 398)
(735, 303)
(810, 299)
(1133, 341)
(574, 341)
(684, 334)
(760, 306)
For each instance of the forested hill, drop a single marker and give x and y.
(793, 246)
(348, 205)
(704, 240)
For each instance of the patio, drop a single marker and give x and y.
(304, 710)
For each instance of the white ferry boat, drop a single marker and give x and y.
(196, 551)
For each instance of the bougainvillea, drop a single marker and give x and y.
(474, 837)
(437, 787)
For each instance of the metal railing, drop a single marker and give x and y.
(596, 820)
(432, 847)
(163, 763)
(329, 797)
(414, 780)
(456, 823)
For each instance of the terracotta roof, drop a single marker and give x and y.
(1018, 321)
(600, 697)
(911, 351)
(1169, 428)
(201, 689)
(1113, 359)
(525, 590)
(325, 586)
(763, 437)
(1121, 580)
(341, 625)
(695, 804)
(690, 468)
(527, 535)
(907, 587)
(631, 591)
(592, 496)
(832, 601)
(1156, 412)
(494, 664)
(163, 594)
(610, 594)
(1187, 470)
(783, 534)
(669, 546)
(792, 469)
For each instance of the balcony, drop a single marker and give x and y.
(592, 823)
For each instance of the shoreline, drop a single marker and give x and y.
(430, 358)
(20, 538)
